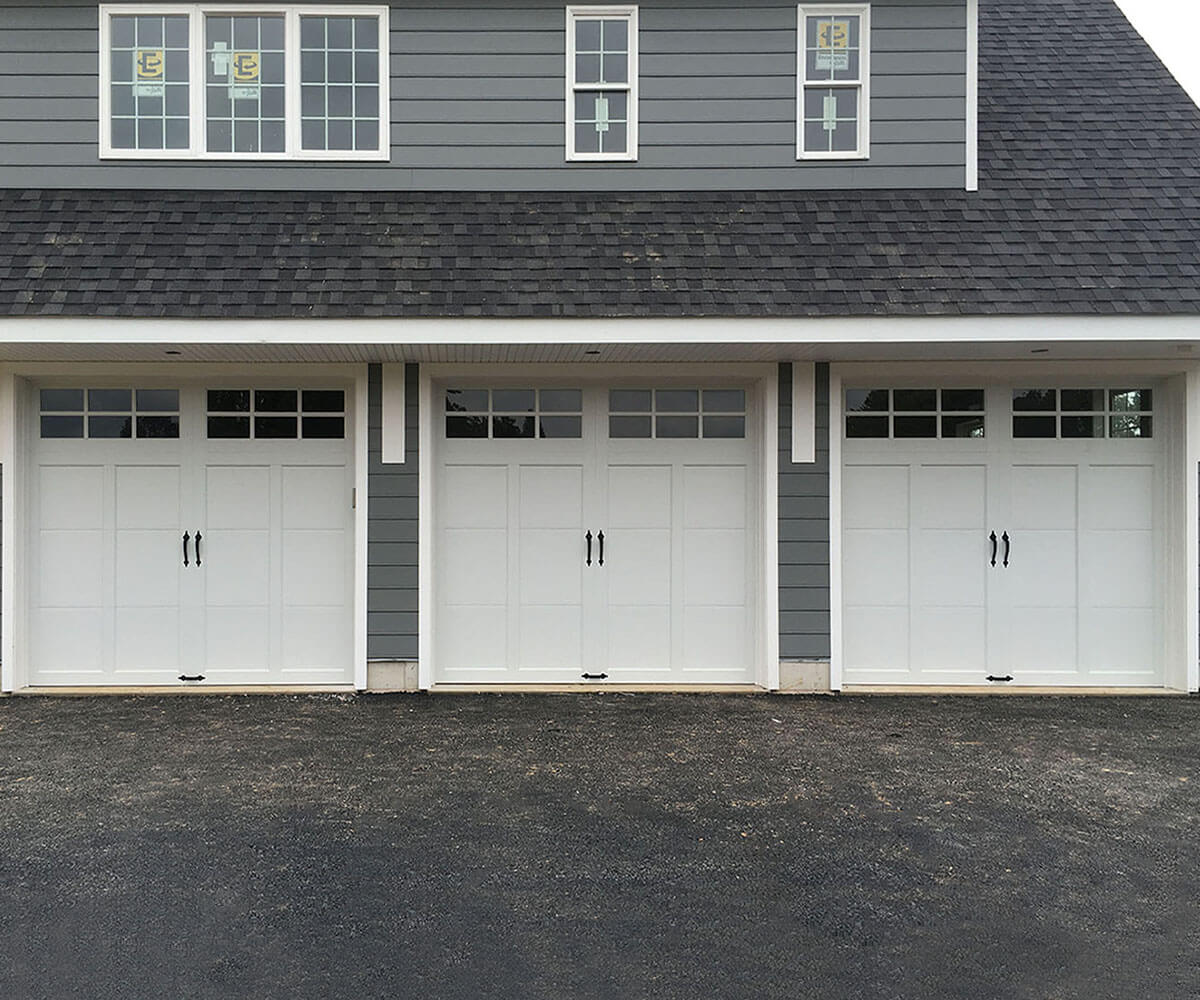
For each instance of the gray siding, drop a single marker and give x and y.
(392, 530)
(477, 103)
(803, 532)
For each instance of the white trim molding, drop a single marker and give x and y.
(804, 412)
(972, 173)
(391, 414)
(197, 148)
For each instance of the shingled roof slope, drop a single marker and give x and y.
(1089, 203)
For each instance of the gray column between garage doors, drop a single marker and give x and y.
(392, 519)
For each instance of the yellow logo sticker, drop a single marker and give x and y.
(245, 67)
(833, 34)
(149, 64)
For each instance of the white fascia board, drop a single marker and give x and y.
(804, 412)
(392, 404)
(703, 330)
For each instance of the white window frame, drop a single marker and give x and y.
(630, 14)
(803, 13)
(196, 88)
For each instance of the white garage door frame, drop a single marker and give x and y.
(18, 455)
(1178, 417)
(764, 382)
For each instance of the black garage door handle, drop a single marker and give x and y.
(993, 540)
(186, 537)
(198, 537)
(601, 538)
(588, 536)
(1007, 547)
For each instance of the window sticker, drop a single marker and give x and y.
(833, 44)
(148, 65)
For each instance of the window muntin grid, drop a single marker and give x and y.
(1070, 413)
(276, 414)
(833, 82)
(339, 82)
(677, 413)
(247, 103)
(601, 83)
(149, 87)
(108, 413)
(513, 414)
(904, 413)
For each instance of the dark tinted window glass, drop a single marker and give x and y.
(629, 427)
(915, 427)
(62, 427)
(1026, 400)
(962, 427)
(513, 400)
(1082, 400)
(512, 427)
(324, 401)
(1132, 400)
(62, 399)
(724, 401)
(969, 400)
(1082, 427)
(467, 401)
(676, 401)
(921, 400)
(110, 401)
(562, 427)
(324, 427)
(867, 401)
(466, 427)
(275, 427)
(629, 401)
(677, 427)
(158, 400)
(1132, 427)
(158, 427)
(724, 427)
(1035, 427)
(274, 401)
(229, 401)
(866, 427)
(229, 427)
(561, 400)
(110, 427)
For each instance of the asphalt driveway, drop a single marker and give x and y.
(599, 846)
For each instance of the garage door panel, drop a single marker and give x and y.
(315, 639)
(71, 569)
(68, 639)
(71, 498)
(1119, 641)
(474, 566)
(875, 567)
(948, 497)
(639, 637)
(948, 568)
(1118, 568)
(237, 568)
(714, 639)
(474, 496)
(473, 637)
(714, 567)
(1044, 498)
(550, 638)
(551, 564)
(637, 566)
(315, 568)
(551, 497)
(147, 639)
(1044, 639)
(950, 640)
(1118, 497)
(639, 497)
(314, 497)
(147, 568)
(862, 487)
(875, 639)
(714, 497)
(1043, 568)
(238, 638)
(237, 498)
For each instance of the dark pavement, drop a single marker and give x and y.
(599, 846)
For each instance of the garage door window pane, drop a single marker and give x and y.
(110, 427)
(1082, 427)
(1132, 427)
(1131, 400)
(561, 427)
(628, 427)
(158, 427)
(962, 426)
(158, 400)
(110, 400)
(467, 400)
(677, 427)
(914, 400)
(1035, 427)
(724, 427)
(962, 400)
(512, 427)
(915, 427)
(229, 400)
(275, 401)
(68, 400)
(677, 401)
(1083, 401)
(560, 401)
(1032, 400)
(867, 400)
(324, 427)
(62, 426)
(513, 400)
(466, 427)
(222, 428)
(867, 427)
(324, 401)
(630, 401)
(949, 414)
(275, 428)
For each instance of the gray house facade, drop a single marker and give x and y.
(671, 345)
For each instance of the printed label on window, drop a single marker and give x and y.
(148, 66)
(245, 83)
(833, 42)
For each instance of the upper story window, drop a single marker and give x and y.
(602, 65)
(179, 81)
(833, 97)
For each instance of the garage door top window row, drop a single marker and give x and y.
(1036, 413)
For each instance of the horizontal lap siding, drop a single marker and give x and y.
(392, 530)
(477, 104)
(803, 531)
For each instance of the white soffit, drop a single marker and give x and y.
(30, 339)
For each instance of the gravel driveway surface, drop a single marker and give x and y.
(599, 846)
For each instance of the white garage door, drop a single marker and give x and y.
(191, 535)
(599, 534)
(1002, 535)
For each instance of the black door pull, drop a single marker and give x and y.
(588, 536)
(1007, 547)
(601, 538)
(191, 677)
(594, 677)
(993, 539)
(198, 537)
(186, 537)
(998, 679)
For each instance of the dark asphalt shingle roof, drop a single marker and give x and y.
(1089, 203)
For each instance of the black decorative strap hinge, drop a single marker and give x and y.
(998, 679)
(191, 677)
(595, 677)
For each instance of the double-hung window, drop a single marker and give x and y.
(602, 63)
(266, 82)
(833, 95)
